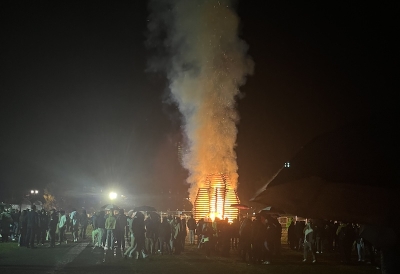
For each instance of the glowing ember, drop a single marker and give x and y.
(215, 199)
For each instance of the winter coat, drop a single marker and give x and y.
(83, 220)
(53, 221)
(191, 223)
(259, 232)
(164, 230)
(235, 228)
(15, 217)
(208, 231)
(101, 221)
(74, 218)
(94, 221)
(111, 222)
(292, 232)
(150, 228)
(308, 234)
(183, 228)
(176, 230)
(245, 230)
(62, 221)
(299, 229)
(32, 219)
(43, 220)
(199, 227)
(5, 221)
(23, 223)
(122, 222)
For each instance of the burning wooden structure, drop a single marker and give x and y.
(215, 199)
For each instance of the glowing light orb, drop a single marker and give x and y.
(112, 195)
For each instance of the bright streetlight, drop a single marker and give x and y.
(112, 195)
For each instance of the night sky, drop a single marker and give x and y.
(79, 108)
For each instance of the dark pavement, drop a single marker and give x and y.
(77, 258)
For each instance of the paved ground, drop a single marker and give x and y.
(79, 258)
(39, 260)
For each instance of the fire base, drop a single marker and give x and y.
(215, 199)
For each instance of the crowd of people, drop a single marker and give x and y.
(30, 228)
(317, 237)
(147, 233)
(257, 239)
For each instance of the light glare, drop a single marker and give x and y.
(112, 195)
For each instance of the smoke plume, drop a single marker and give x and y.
(197, 45)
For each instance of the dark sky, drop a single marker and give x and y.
(78, 107)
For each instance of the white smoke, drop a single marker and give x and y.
(206, 63)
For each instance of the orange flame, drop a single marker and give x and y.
(214, 200)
